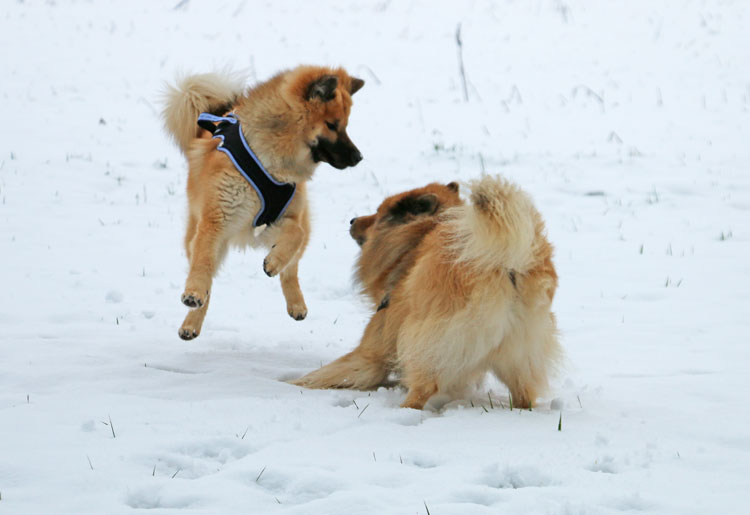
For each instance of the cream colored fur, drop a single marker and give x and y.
(498, 228)
(193, 95)
(477, 299)
(447, 341)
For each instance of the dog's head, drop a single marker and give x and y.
(390, 236)
(326, 95)
(401, 209)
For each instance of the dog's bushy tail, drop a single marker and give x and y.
(194, 94)
(501, 228)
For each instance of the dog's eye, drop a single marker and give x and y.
(332, 126)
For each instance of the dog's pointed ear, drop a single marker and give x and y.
(453, 186)
(413, 206)
(323, 89)
(356, 85)
(427, 204)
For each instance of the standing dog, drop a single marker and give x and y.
(291, 122)
(462, 292)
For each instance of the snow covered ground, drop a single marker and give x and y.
(628, 122)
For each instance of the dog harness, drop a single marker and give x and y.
(274, 196)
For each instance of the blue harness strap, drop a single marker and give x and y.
(274, 196)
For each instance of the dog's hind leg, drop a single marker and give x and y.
(365, 368)
(526, 358)
(516, 376)
(206, 252)
(192, 225)
(191, 326)
(193, 323)
(295, 301)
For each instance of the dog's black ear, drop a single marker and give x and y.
(323, 88)
(413, 205)
(356, 85)
(453, 186)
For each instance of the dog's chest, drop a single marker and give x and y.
(237, 198)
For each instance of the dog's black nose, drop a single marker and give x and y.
(356, 157)
(351, 222)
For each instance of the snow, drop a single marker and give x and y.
(629, 124)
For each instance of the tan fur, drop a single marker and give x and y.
(457, 314)
(388, 250)
(280, 122)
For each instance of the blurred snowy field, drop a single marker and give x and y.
(627, 121)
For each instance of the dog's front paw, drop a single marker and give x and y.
(193, 299)
(272, 265)
(297, 312)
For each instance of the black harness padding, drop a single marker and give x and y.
(274, 196)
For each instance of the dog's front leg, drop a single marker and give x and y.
(290, 241)
(295, 301)
(422, 386)
(283, 259)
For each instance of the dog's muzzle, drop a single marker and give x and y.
(340, 154)
(355, 233)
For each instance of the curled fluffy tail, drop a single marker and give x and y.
(500, 229)
(194, 94)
